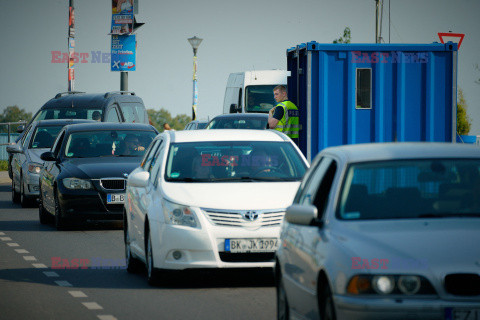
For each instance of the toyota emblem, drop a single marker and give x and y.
(251, 215)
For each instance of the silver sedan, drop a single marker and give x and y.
(384, 231)
(26, 163)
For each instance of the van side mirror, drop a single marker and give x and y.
(20, 129)
(48, 156)
(234, 108)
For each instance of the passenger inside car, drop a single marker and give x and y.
(200, 170)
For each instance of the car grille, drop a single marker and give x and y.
(113, 184)
(247, 257)
(227, 218)
(463, 284)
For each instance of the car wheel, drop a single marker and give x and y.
(152, 273)
(283, 310)
(327, 307)
(24, 200)
(133, 265)
(15, 194)
(59, 221)
(42, 213)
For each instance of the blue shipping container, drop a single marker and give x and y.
(360, 93)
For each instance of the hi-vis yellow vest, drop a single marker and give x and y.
(290, 122)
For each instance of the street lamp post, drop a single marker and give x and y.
(195, 42)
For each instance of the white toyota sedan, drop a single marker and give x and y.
(210, 199)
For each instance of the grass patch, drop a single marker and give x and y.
(3, 165)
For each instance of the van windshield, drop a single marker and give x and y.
(259, 98)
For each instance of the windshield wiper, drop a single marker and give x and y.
(448, 215)
(187, 179)
(243, 179)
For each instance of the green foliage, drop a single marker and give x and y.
(13, 114)
(463, 120)
(347, 36)
(159, 117)
(3, 165)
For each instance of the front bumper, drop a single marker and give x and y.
(355, 308)
(204, 248)
(88, 205)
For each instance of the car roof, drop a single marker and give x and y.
(199, 121)
(63, 122)
(403, 150)
(225, 135)
(83, 100)
(109, 126)
(242, 115)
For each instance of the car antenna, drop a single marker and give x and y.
(254, 73)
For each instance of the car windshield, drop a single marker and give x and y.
(410, 189)
(202, 125)
(233, 161)
(108, 143)
(259, 98)
(90, 113)
(43, 137)
(238, 123)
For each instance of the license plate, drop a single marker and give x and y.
(115, 198)
(462, 314)
(251, 245)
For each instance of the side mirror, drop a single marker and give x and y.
(139, 179)
(20, 128)
(301, 214)
(234, 108)
(48, 156)
(14, 148)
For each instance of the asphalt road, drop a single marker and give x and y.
(31, 286)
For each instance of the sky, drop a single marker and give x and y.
(238, 36)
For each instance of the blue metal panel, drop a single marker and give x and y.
(412, 93)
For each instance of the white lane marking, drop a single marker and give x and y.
(106, 317)
(13, 244)
(2, 233)
(21, 251)
(63, 283)
(30, 258)
(92, 305)
(5, 238)
(50, 274)
(77, 294)
(39, 265)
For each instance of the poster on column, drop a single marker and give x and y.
(122, 16)
(123, 53)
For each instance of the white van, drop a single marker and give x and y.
(252, 91)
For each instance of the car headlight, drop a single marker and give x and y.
(180, 215)
(390, 285)
(383, 284)
(75, 184)
(34, 168)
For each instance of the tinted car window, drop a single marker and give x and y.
(44, 137)
(236, 123)
(66, 113)
(133, 112)
(234, 161)
(112, 116)
(409, 189)
(108, 143)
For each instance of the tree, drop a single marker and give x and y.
(463, 120)
(159, 117)
(347, 36)
(13, 114)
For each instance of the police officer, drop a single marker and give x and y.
(284, 117)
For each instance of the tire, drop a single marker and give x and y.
(15, 194)
(283, 309)
(42, 213)
(153, 274)
(59, 221)
(327, 307)
(133, 265)
(25, 201)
